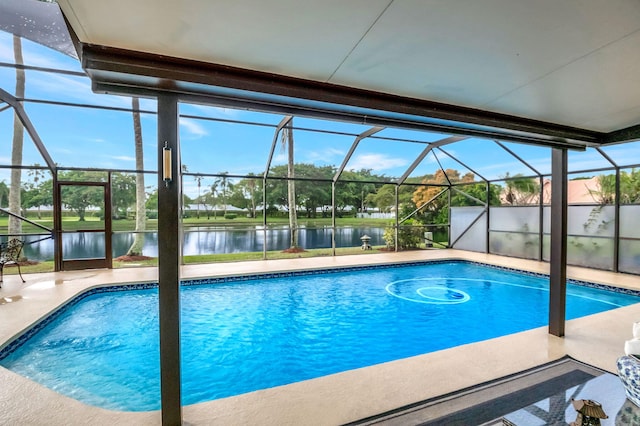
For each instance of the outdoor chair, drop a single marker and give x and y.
(10, 253)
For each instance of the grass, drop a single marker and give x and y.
(122, 225)
(47, 266)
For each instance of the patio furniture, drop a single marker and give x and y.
(10, 253)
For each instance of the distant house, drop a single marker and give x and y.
(579, 191)
(217, 208)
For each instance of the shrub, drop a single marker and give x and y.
(409, 235)
(230, 215)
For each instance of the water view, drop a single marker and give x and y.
(202, 240)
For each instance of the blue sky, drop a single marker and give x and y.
(85, 137)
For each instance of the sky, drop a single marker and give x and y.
(89, 137)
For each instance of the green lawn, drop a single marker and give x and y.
(72, 223)
(124, 225)
(47, 266)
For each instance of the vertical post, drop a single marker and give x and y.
(616, 232)
(558, 260)
(397, 231)
(487, 243)
(264, 217)
(57, 224)
(108, 226)
(333, 218)
(449, 216)
(541, 220)
(169, 193)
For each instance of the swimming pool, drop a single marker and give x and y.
(247, 333)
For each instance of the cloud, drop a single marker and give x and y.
(123, 158)
(193, 127)
(63, 150)
(190, 187)
(218, 112)
(325, 155)
(73, 88)
(588, 164)
(376, 162)
(33, 53)
(6, 52)
(510, 167)
(624, 154)
(279, 158)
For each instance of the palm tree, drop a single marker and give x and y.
(141, 213)
(287, 143)
(4, 193)
(225, 186)
(198, 179)
(520, 190)
(251, 186)
(37, 173)
(214, 191)
(15, 225)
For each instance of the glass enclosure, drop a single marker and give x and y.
(258, 185)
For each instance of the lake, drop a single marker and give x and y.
(204, 240)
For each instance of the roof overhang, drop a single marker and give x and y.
(125, 72)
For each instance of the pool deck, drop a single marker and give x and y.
(335, 399)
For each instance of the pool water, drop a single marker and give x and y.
(245, 335)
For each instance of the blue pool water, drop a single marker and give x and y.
(251, 334)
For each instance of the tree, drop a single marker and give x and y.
(245, 194)
(225, 186)
(198, 179)
(384, 199)
(629, 188)
(354, 193)
(313, 194)
(477, 191)
(123, 194)
(78, 198)
(4, 194)
(37, 196)
(35, 201)
(253, 186)
(430, 200)
(152, 200)
(186, 200)
(141, 213)
(214, 192)
(15, 224)
(520, 190)
(606, 192)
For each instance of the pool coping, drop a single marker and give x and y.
(341, 397)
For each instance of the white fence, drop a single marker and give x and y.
(375, 215)
(515, 231)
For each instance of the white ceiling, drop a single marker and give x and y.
(570, 62)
